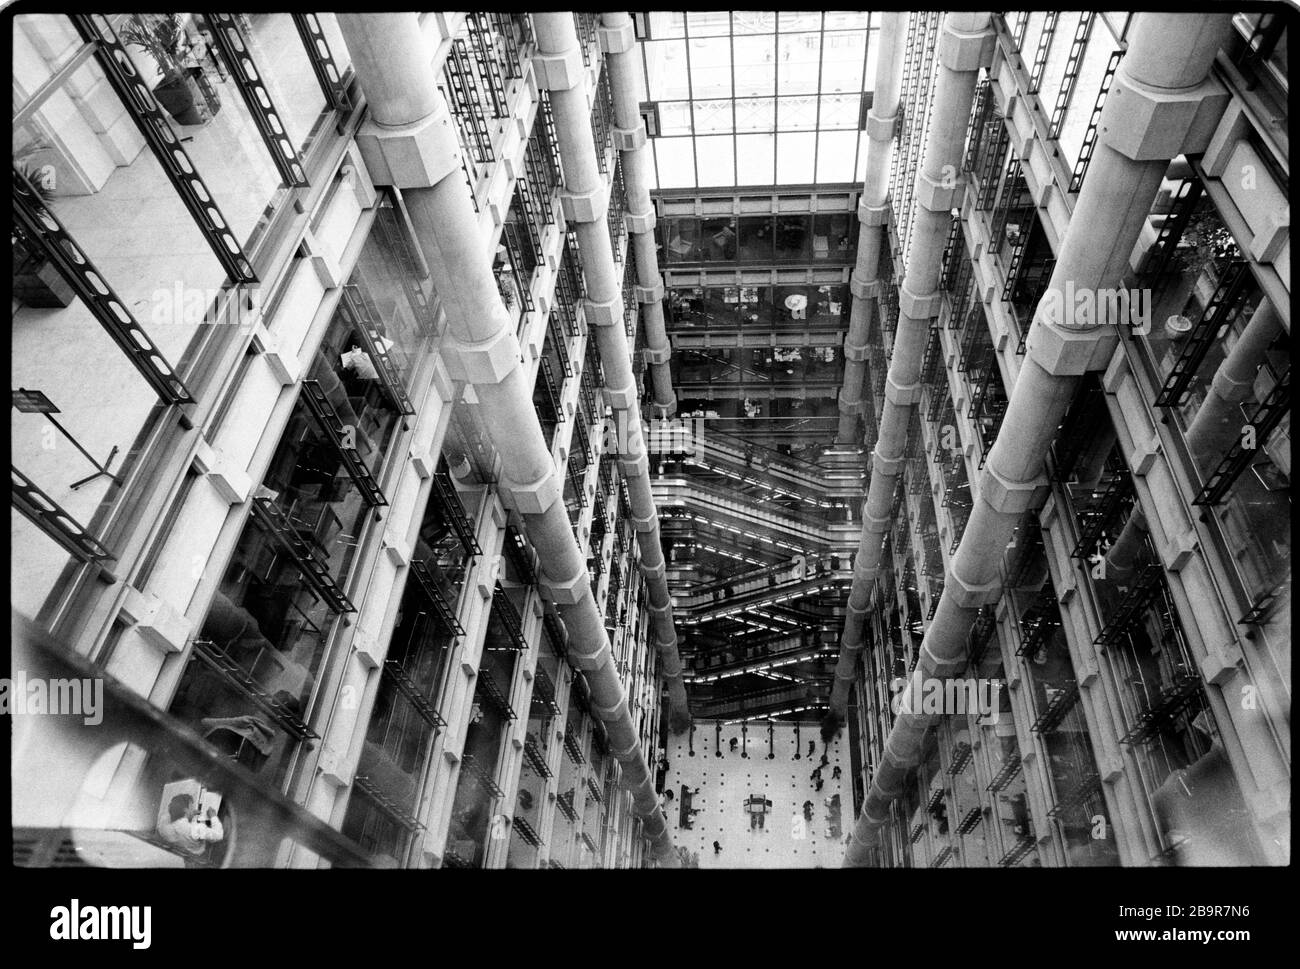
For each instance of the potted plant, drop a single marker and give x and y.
(181, 91)
(37, 282)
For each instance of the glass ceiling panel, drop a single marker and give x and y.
(791, 20)
(713, 117)
(665, 65)
(754, 159)
(735, 78)
(708, 23)
(753, 22)
(667, 24)
(716, 160)
(756, 114)
(710, 68)
(799, 56)
(796, 114)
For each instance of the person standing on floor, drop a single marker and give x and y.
(717, 848)
(835, 774)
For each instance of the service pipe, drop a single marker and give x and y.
(965, 44)
(409, 141)
(1169, 59)
(586, 197)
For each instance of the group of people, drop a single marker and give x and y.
(816, 777)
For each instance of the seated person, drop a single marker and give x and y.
(184, 829)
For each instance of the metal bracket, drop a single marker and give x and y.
(46, 231)
(234, 47)
(176, 163)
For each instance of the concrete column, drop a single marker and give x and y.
(586, 198)
(1218, 421)
(964, 39)
(873, 217)
(1164, 92)
(622, 61)
(1215, 427)
(413, 144)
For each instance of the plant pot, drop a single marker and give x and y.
(39, 284)
(181, 98)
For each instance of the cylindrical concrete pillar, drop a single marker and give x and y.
(394, 70)
(1123, 179)
(587, 198)
(1215, 427)
(622, 61)
(873, 214)
(963, 39)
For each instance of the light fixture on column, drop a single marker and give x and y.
(35, 402)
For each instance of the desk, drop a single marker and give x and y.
(685, 810)
(680, 246)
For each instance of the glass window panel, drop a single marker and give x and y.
(193, 85)
(674, 118)
(835, 156)
(754, 159)
(797, 63)
(755, 114)
(753, 21)
(755, 238)
(755, 66)
(666, 74)
(793, 240)
(719, 239)
(106, 407)
(794, 157)
(796, 114)
(840, 111)
(862, 157)
(682, 239)
(842, 56)
(713, 117)
(474, 806)
(708, 23)
(42, 44)
(329, 25)
(405, 326)
(716, 157)
(667, 24)
(711, 67)
(676, 158)
(281, 59)
(1256, 513)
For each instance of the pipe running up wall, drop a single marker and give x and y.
(585, 200)
(621, 59)
(1215, 427)
(409, 141)
(964, 45)
(873, 217)
(1140, 130)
